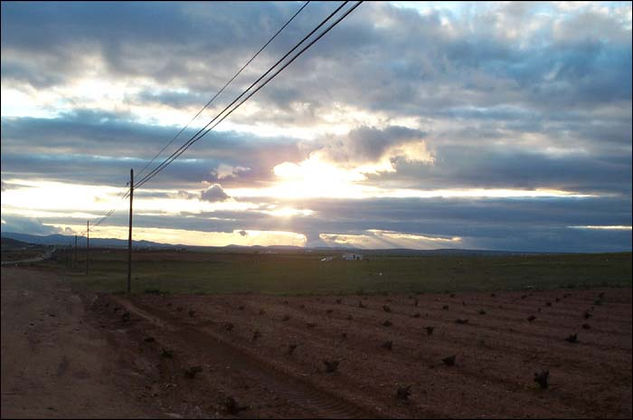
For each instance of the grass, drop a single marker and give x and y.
(21, 254)
(303, 273)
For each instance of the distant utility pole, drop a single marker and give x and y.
(129, 239)
(75, 254)
(87, 244)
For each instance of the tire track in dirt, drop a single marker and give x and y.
(319, 402)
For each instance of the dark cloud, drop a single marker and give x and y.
(200, 44)
(186, 195)
(495, 167)
(94, 147)
(32, 226)
(173, 99)
(387, 66)
(214, 193)
(456, 215)
(367, 144)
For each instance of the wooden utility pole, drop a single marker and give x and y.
(129, 239)
(75, 254)
(87, 244)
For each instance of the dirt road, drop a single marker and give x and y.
(46, 255)
(55, 363)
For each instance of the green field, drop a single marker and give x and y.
(12, 250)
(304, 273)
(21, 254)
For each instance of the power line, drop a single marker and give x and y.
(107, 214)
(201, 133)
(113, 210)
(191, 140)
(204, 130)
(224, 87)
(125, 194)
(279, 71)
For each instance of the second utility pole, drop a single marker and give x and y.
(87, 244)
(129, 240)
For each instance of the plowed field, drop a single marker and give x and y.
(198, 355)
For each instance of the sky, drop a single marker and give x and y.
(500, 126)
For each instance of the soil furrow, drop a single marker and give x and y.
(316, 401)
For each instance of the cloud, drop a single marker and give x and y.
(365, 145)
(140, 40)
(528, 224)
(32, 226)
(431, 96)
(460, 167)
(382, 58)
(97, 147)
(224, 171)
(379, 239)
(186, 195)
(170, 98)
(334, 165)
(214, 193)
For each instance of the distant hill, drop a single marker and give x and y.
(11, 244)
(65, 240)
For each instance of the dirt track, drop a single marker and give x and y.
(55, 364)
(147, 344)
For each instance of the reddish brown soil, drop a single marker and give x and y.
(55, 364)
(497, 354)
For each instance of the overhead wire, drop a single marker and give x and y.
(109, 213)
(224, 87)
(193, 138)
(126, 193)
(204, 130)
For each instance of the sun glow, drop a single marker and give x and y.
(196, 237)
(287, 212)
(311, 188)
(57, 196)
(614, 227)
(317, 176)
(47, 196)
(312, 178)
(376, 238)
(320, 177)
